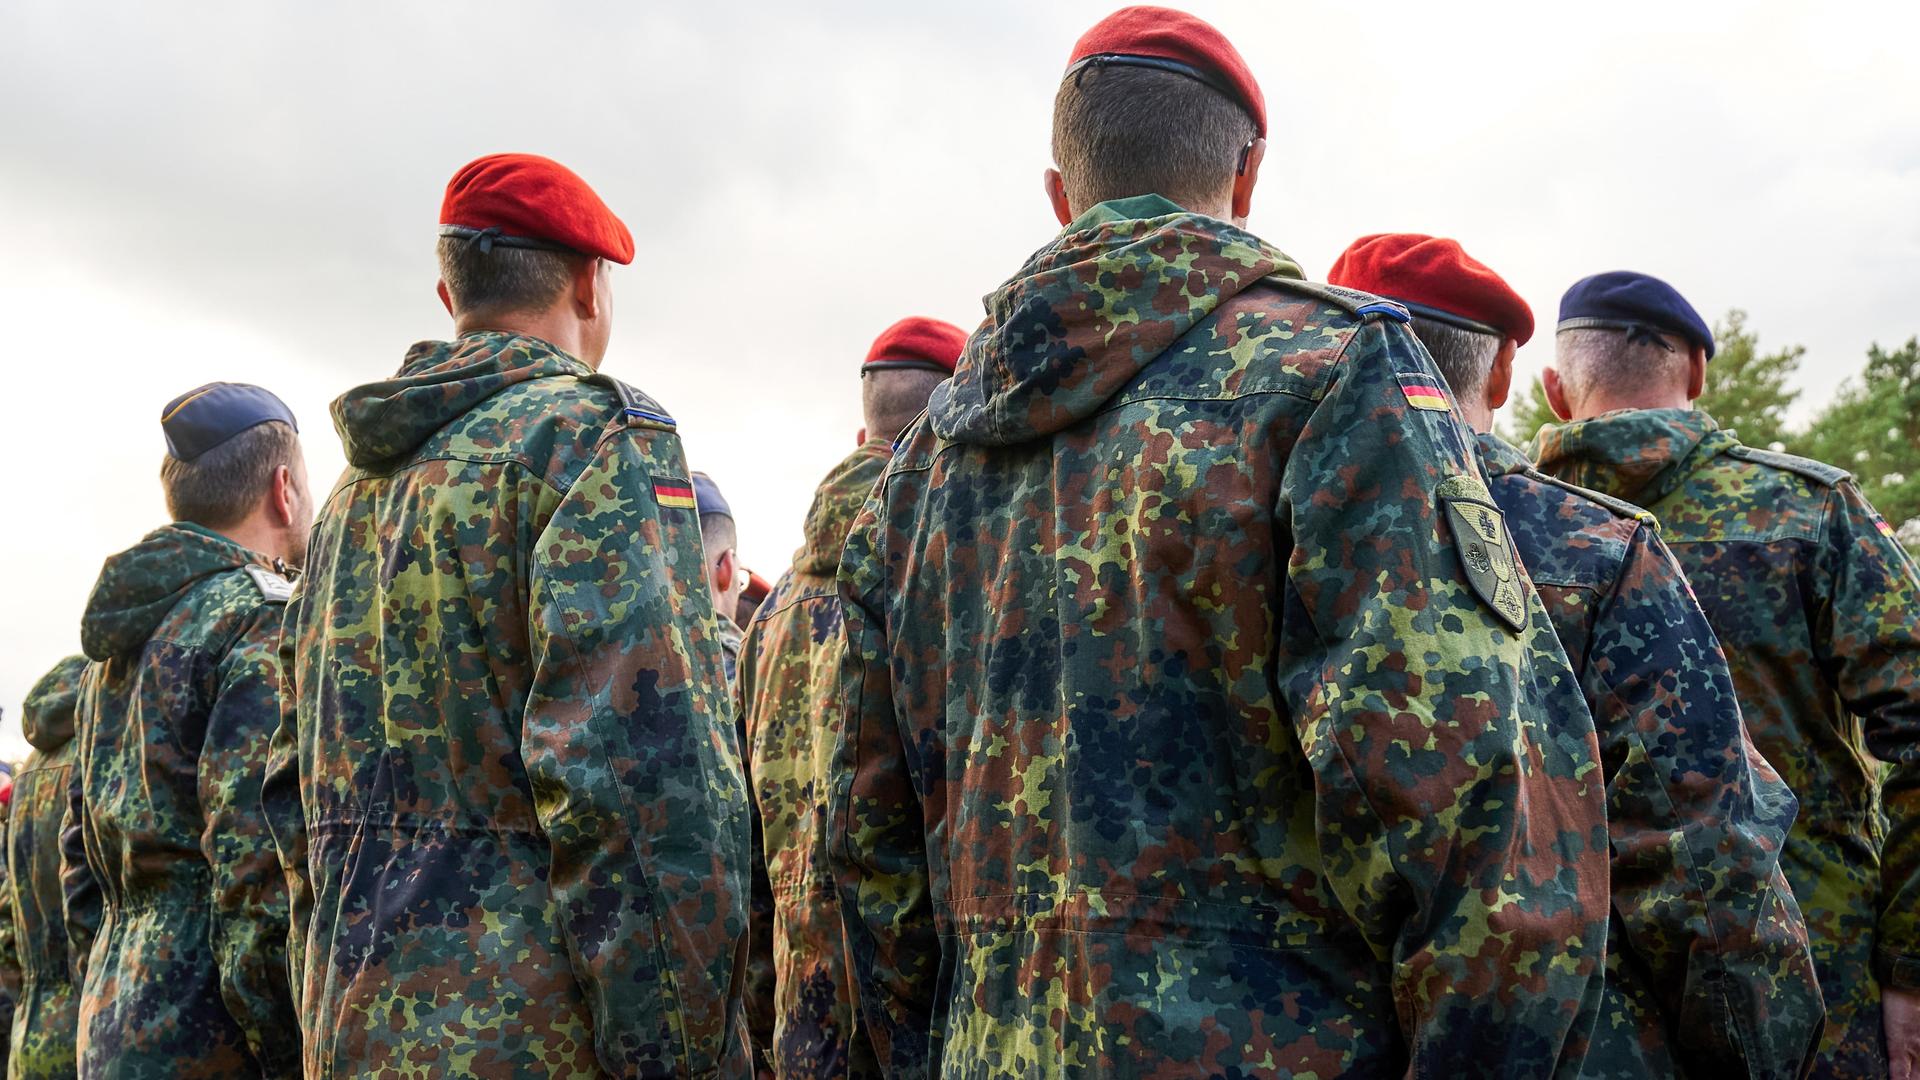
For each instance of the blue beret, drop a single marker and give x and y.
(206, 416)
(1624, 300)
(707, 497)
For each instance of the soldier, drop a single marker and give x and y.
(42, 1036)
(1705, 938)
(187, 973)
(787, 695)
(507, 784)
(1818, 609)
(726, 578)
(1179, 738)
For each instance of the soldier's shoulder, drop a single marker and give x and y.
(1819, 472)
(1568, 535)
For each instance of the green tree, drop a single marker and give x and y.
(1746, 388)
(1872, 429)
(1526, 414)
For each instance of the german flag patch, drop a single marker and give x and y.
(673, 493)
(1424, 392)
(1885, 529)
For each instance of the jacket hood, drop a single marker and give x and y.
(140, 585)
(836, 502)
(47, 715)
(1640, 455)
(1088, 312)
(438, 382)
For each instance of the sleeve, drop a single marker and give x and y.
(80, 899)
(1868, 634)
(1698, 820)
(285, 816)
(1462, 823)
(9, 933)
(876, 839)
(629, 746)
(759, 988)
(248, 892)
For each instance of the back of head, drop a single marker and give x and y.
(220, 487)
(1120, 132)
(1155, 101)
(1615, 367)
(502, 281)
(1627, 340)
(1464, 357)
(902, 367)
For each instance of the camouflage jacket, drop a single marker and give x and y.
(1706, 937)
(507, 784)
(187, 975)
(1178, 737)
(1814, 603)
(787, 694)
(44, 1018)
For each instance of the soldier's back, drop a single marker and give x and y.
(453, 589)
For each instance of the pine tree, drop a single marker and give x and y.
(1872, 429)
(1746, 389)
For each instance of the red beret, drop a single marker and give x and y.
(916, 342)
(757, 588)
(1434, 278)
(1170, 40)
(524, 200)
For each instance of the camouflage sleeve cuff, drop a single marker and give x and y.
(1898, 970)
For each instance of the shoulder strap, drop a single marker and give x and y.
(636, 408)
(1360, 305)
(1621, 507)
(1817, 471)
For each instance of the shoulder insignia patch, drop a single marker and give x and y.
(1480, 539)
(276, 589)
(1881, 524)
(1424, 392)
(673, 493)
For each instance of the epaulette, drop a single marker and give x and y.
(274, 588)
(1817, 471)
(1358, 304)
(636, 408)
(1619, 506)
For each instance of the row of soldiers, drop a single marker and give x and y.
(1178, 680)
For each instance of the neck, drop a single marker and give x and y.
(256, 533)
(1601, 402)
(552, 326)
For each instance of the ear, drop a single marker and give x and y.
(586, 289)
(1057, 197)
(1556, 394)
(283, 499)
(446, 298)
(1249, 175)
(1696, 373)
(1500, 378)
(724, 569)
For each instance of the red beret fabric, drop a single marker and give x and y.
(1166, 34)
(535, 198)
(1436, 273)
(918, 342)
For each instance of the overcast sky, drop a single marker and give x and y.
(248, 191)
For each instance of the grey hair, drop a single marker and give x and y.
(1463, 356)
(1592, 357)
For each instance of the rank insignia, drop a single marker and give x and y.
(1480, 537)
(674, 494)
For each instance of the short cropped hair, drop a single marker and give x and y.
(1121, 131)
(717, 534)
(1592, 357)
(891, 397)
(222, 486)
(1464, 357)
(504, 278)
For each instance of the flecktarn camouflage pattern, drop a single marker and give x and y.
(1708, 972)
(187, 972)
(508, 785)
(788, 695)
(1177, 741)
(45, 1017)
(1814, 607)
